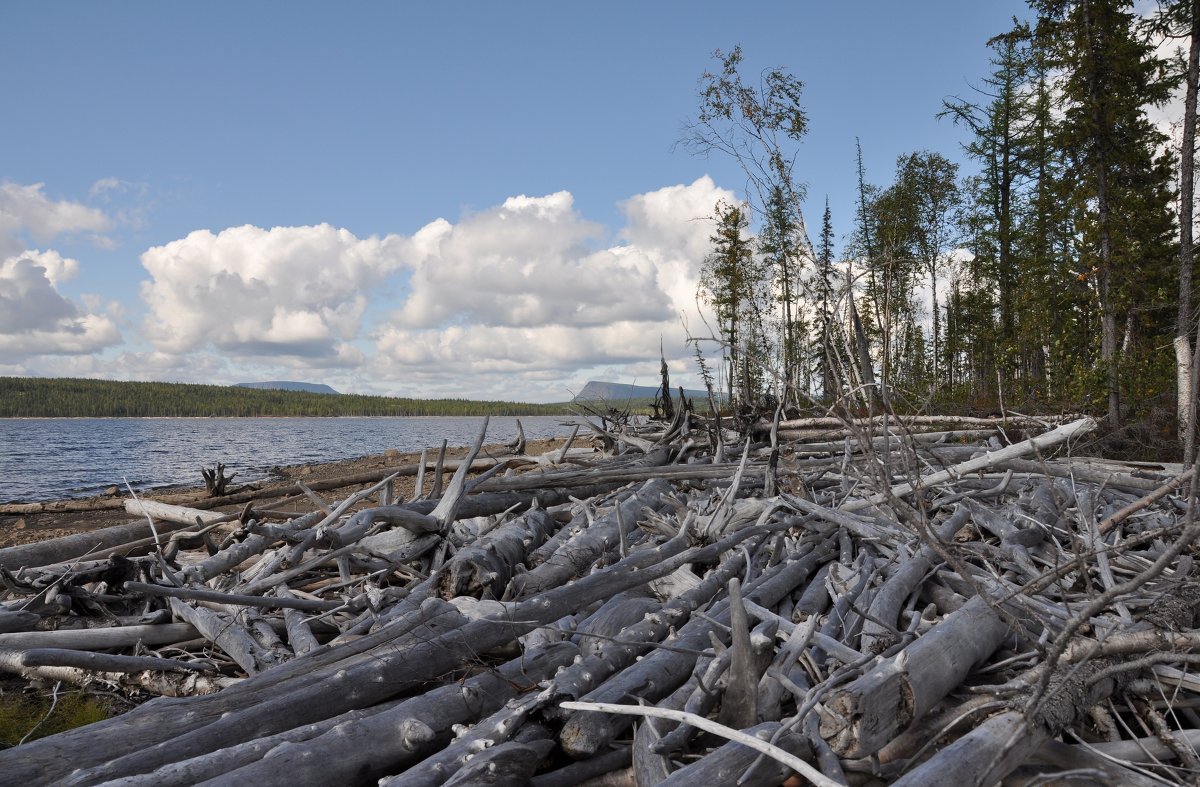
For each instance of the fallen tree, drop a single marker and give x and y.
(804, 610)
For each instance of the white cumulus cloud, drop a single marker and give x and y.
(247, 291)
(35, 319)
(27, 209)
(529, 262)
(521, 295)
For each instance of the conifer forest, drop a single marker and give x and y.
(1059, 274)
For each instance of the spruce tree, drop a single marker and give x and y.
(824, 284)
(728, 280)
(1110, 73)
(781, 245)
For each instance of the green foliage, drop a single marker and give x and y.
(913, 223)
(1071, 294)
(821, 351)
(22, 714)
(781, 244)
(773, 108)
(730, 281)
(36, 397)
(759, 127)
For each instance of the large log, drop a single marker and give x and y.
(493, 732)
(896, 422)
(600, 537)
(486, 565)
(165, 512)
(864, 715)
(17, 620)
(93, 542)
(102, 638)
(993, 459)
(883, 614)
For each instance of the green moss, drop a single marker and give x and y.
(20, 712)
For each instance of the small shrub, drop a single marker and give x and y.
(21, 712)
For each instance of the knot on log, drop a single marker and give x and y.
(1072, 692)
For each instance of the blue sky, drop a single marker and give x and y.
(475, 199)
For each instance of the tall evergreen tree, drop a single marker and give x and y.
(728, 281)
(999, 121)
(930, 183)
(891, 281)
(824, 283)
(1110, 73)
(781, 245)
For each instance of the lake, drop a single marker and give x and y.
(52, 458)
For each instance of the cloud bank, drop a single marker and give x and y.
(35, 317)
(27, 210)
(523, 293)
(524, 300)
(297, 292)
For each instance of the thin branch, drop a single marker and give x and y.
(708, 725)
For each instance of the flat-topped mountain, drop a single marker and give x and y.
(597, 391)
(288, 385)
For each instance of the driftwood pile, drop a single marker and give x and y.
(839, 602)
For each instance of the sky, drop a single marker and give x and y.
(464, 199)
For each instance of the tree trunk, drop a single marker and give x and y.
(1185, 395)
(1104, 274)
(868, 713)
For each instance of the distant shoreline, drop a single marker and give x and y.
(62, 397)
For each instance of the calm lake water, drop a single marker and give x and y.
(51, 458)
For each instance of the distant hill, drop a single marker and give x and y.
(288, 385)
(597, 391)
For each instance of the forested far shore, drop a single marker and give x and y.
(36, 397)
